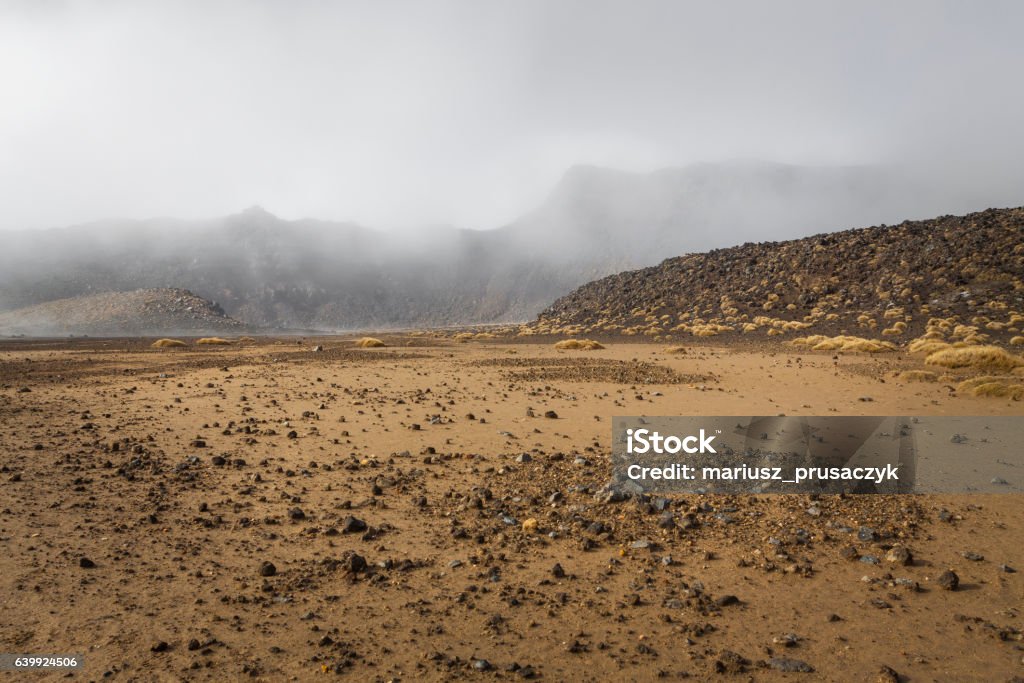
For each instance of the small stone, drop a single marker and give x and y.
(530, 525)
(355, 563)
(973, 557)
(786, 640)
(948, 580)
(193, 645)
(557, 571)
(160, 646)
(849, 553)
(899, 555)
(790, 665)
(550, 414)
(86, 563)
(887, 675)
(666, 520)
(482, 665)
(957, 438)
(296, 514)
(999, 481)
(524, 457)
(866, 533)
(268, 569)
(727, 600)
(351, 525)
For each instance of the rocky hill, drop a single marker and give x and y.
(307, 273)
(884, 281)
(149, 312)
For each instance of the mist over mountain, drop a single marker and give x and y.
(311, 274)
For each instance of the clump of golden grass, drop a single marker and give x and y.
(676, 349)
(168, 343)
(809, 341)
(246, 340)
(370, 343)
(995, 387)
(819, 342)
(213, 341)
(928, 346)
(918, 376)
(484, 335)
(1017, 341)
(986, 357)
(580, 344)
(463, 336)
(898, 328)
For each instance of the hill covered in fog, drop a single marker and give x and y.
(269, 272)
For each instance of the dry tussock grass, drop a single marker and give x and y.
(819, 342)
(982, 357)
(214, 341)
(579, 344)
(370, 343)
(676, 349)
(927, 346)
(168, 343)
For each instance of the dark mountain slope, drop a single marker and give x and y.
(859, 282)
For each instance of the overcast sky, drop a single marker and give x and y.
(400, 114)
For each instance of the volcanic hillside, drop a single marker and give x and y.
(893, 282)
(141, 312)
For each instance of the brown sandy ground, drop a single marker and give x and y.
(178, 473)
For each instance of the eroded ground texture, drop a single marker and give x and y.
(432, 510)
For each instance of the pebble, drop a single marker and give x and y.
(557, 571)
(86, 563)
(899, 555)
(948, 580)
(268, 569)
(790, 665)
(351, 525)
(550, 414)
(160, 646)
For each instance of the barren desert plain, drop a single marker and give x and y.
(433, 510)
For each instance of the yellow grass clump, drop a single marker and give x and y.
(168, 343)
(579, 344)
(676, 349)
(995, 387)
(927, 346)
(1017, 341)
(484, 335)
(246, 340)
(846, 343)
(986, 357)
(809, 341)
(370, 343)
(213, 341)
(918, 376)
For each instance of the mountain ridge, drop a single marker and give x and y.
(331, 275)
